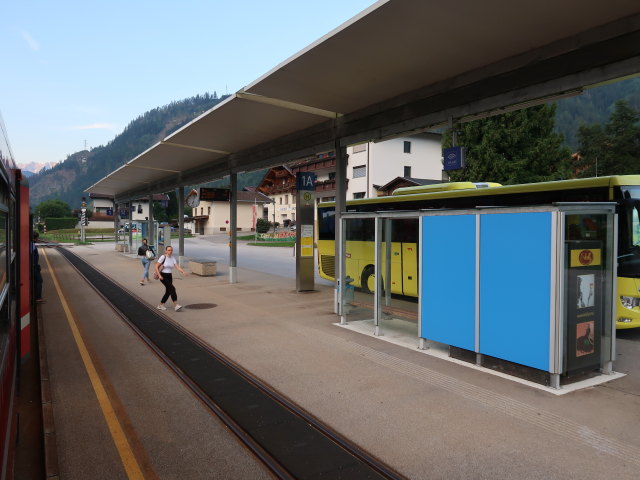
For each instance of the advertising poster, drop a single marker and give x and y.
(584, 305)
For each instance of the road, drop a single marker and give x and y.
(279, 261)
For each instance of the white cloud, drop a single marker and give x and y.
(95, 126)
(32, 42)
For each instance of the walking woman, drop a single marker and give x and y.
(146, 252)
(164, 268)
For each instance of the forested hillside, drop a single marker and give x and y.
(594, 106)
(67, 180)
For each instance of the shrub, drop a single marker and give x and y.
(61, 223)
(262, 225)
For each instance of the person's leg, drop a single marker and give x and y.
(167, 281)
(38, 282)
(145, 263)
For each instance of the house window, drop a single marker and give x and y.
(360, 171)
(280, 200)
(293, 199)
(286, 199)
(407, 172)
(208, 210)
(407, 147)
(201, 211)
(360, 148)
(357, 195)
(332, 175)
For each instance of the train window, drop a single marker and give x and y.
(3, 250)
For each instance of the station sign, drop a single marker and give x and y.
(454, 158)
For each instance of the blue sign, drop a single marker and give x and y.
(306, 181)
(109, 211)
(123, 213)
(453, 158)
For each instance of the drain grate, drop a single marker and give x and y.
(200, 306)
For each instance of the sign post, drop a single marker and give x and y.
(305, 209)
(83, 220)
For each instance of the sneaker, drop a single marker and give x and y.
(161, 307)
(142, 283)
(178, 307)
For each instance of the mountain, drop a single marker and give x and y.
(68, 179)
(32, 168)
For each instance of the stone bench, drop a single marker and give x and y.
(203, 267)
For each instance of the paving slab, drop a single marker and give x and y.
(423, 415)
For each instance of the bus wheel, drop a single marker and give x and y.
(368, 279)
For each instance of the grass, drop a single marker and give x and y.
(272, 244)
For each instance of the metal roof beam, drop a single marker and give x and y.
(192, 147)
(286, 104)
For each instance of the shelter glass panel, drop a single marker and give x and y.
(359, 260)
(399, 259)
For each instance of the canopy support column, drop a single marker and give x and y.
(181, 226)
(115, 222)
(130, 225)
(153, 237)
(233, 223)
(341, 201)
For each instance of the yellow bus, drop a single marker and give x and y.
(624, 190)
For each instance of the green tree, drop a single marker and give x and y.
(516, 147)
(612, 149)
(53, 209)
(159, 213)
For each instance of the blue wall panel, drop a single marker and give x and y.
(515, 276)
(448, 294)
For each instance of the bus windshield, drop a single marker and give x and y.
(629, 244)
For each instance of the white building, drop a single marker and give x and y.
(213, 217)
(372, 165)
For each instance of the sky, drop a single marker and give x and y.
(75, 73)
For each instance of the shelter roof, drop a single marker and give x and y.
(399, 66)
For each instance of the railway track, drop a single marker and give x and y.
(288, 440)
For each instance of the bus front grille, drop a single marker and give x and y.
(328, 263)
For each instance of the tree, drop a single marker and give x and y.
(612, 149)
(516, 147)
(53, 209)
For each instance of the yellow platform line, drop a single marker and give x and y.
(117, 433)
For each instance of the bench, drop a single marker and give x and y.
(203, 267)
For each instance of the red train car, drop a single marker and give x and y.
(15, 295)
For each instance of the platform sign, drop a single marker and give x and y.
(305, 181)
(123, 213)
(454, 158)
(305, 209)
(215, 194)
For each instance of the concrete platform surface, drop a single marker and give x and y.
(423, 415)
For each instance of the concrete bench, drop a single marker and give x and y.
(203, 267)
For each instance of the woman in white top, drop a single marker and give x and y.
(164, 268)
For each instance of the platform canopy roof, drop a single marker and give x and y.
(399, 67)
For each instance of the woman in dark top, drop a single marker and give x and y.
(146, 261)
